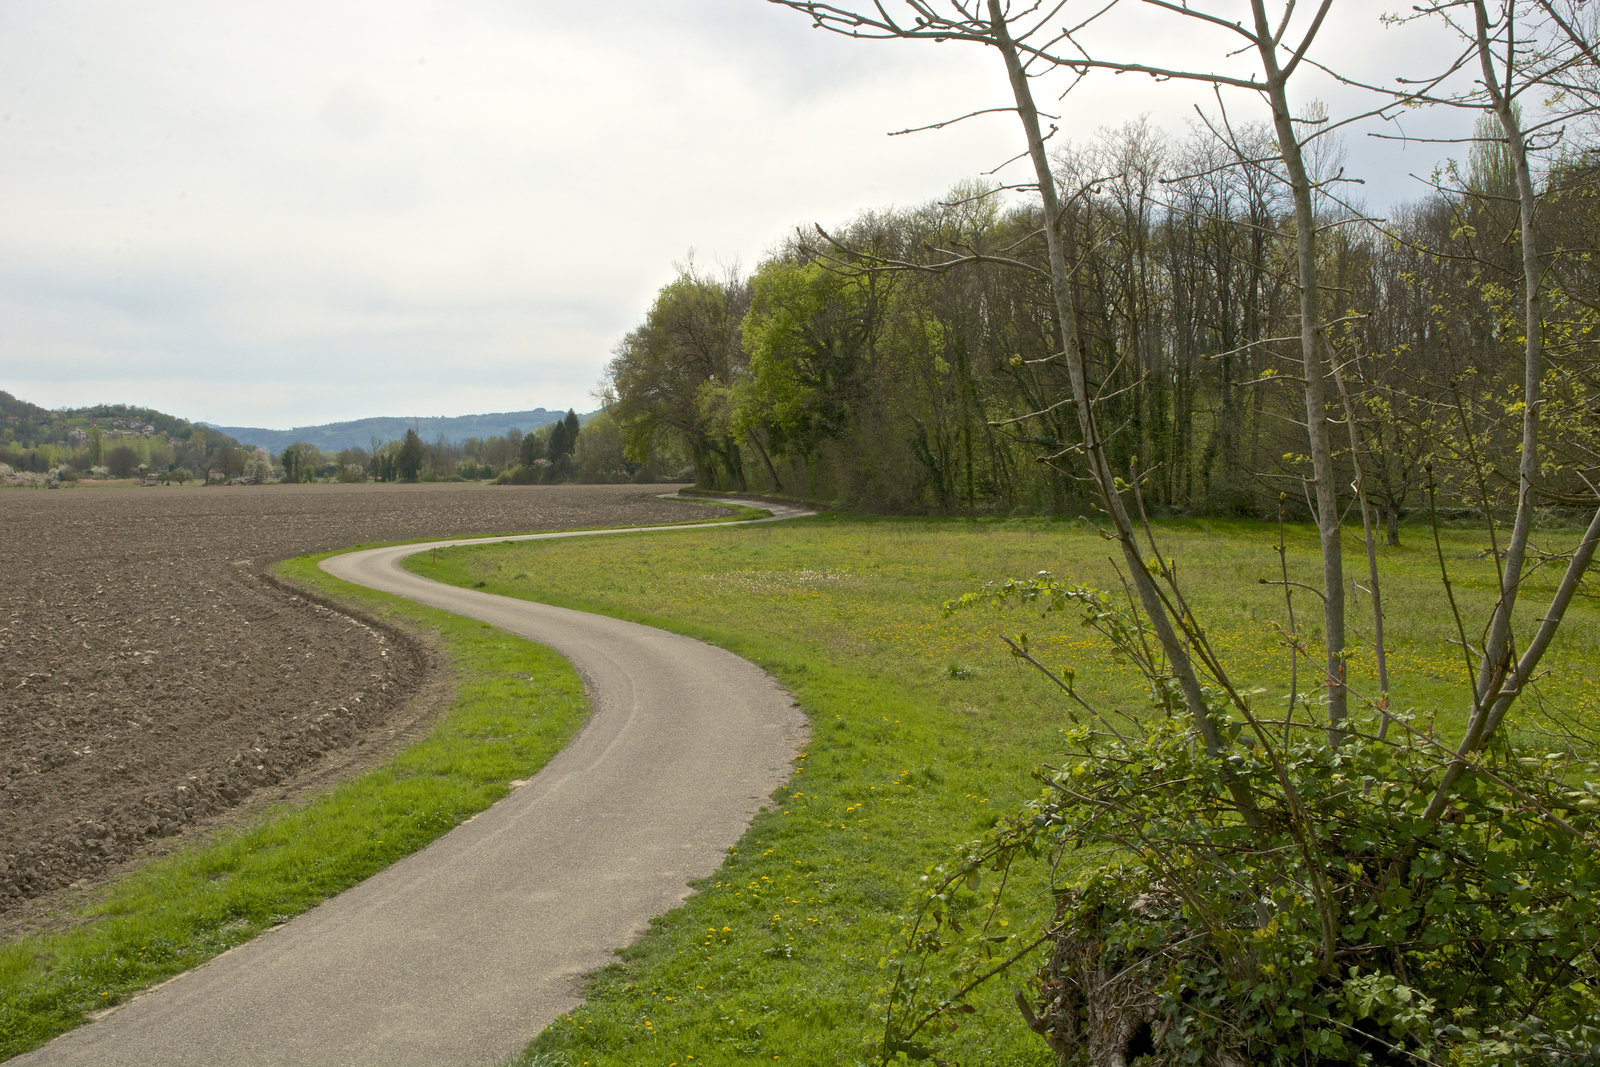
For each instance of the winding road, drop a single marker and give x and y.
(462, 952)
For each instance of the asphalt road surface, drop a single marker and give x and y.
(461, 953)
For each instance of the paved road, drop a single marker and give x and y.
(465, 950)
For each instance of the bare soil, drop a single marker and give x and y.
(154, 678)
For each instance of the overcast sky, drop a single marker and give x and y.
(294, 213)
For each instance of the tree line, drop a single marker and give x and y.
(909, 360)
(118, 441)
(567, 450)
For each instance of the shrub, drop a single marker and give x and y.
(518, 475)
(1331, 923)
(1284, 901)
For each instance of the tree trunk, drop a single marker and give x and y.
(1093, 446)
(1312, 346)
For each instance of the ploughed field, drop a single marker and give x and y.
(153, 677)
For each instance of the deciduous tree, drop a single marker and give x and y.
(688, 342)
(300, 461)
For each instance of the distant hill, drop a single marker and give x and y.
(336, 436)
(25, 425)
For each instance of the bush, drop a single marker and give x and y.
(1341, 926)
(518, 475)
(1330, 924)
(1278, 899)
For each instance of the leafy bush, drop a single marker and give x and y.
(518, 475)
(1285, 900)
(1330, 923)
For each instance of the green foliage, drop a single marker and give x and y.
(806, 335)
(1286, 934)
(512, 458)
(300, 461)
(667, 369)
(563, 437)
(122, 460)
(35, 440)
(599, 456)
(535, 446)
(873, 372)
(1292, 901)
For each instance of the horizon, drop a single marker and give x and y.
(298, 427)
(68, 408)
(394, 418)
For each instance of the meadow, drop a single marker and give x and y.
(926, 730)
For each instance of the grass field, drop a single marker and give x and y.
(924, 728)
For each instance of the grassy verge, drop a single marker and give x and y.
(515, 705)
(923, 731)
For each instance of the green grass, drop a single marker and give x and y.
(923, 732)
(924, 729)
(515, 706)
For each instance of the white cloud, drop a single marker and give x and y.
(293, 213)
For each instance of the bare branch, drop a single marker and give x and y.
(952, 122)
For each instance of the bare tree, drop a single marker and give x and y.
(1517, 55)
(1031, 42)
